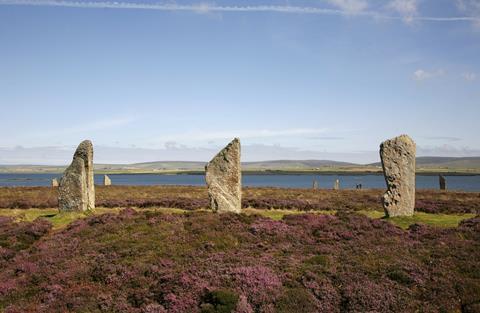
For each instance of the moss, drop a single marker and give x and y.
(219, 301)
(400, 276)
(218, 242)
(136, 242)
(321, 260)
(437, 220)
(279, 214)
(295, 300)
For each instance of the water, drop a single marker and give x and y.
(463, 183)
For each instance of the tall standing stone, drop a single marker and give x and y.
(315, 184)
(85, 151)
(73, 195)
(443, 182)
(398, 162)
(76, 189)
(106, 180)
(224, 179)
(54, 182)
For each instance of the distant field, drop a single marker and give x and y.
(433, 165)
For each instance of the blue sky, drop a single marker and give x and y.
(177, 80)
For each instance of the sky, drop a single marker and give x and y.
(177, 80)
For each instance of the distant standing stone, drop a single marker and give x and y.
(398, 162)
(443, 182)
(76, 188)
(73, 195)
(315, 184)
(106, 180)
(224, 179)
(85, 151)
(336, 185)
(54, 182)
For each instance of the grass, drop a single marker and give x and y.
(201, 262)
(438, 220)
(62, 219)
(279, 214)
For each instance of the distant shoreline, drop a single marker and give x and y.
(457, 166)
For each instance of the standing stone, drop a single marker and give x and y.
(336, 185)
(398, 162)
(106, 180)
(73, 193)
(224, 179)
(443, 182)
(85, 151)
(315, 184)
(76, 188)
(54, 182)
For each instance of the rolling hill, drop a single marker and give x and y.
(424, 164)
(451, 163)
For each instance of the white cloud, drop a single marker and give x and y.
(469, 76)
(81, 129)
(115, 155)
(406, 8)
(198, 8)
(444, 138)
(99, 125)
(447, 150)
(470, 8)
(421, 75)
(88, 127)
(253, 152)
(353, 6)
(204, 136)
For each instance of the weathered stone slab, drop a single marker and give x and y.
(398, 162)
(54, 182)
(85, 151)
(442, 182)
(106, 180)
(315, 184)
(76, 189)
(72, 194)
(224, 179)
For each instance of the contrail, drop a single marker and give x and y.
(205, 8)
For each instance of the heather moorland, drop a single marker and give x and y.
(157, 249)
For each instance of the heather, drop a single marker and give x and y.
(188, 198)
(147, 261)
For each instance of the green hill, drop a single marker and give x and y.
(424, 164)
(451, 163)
